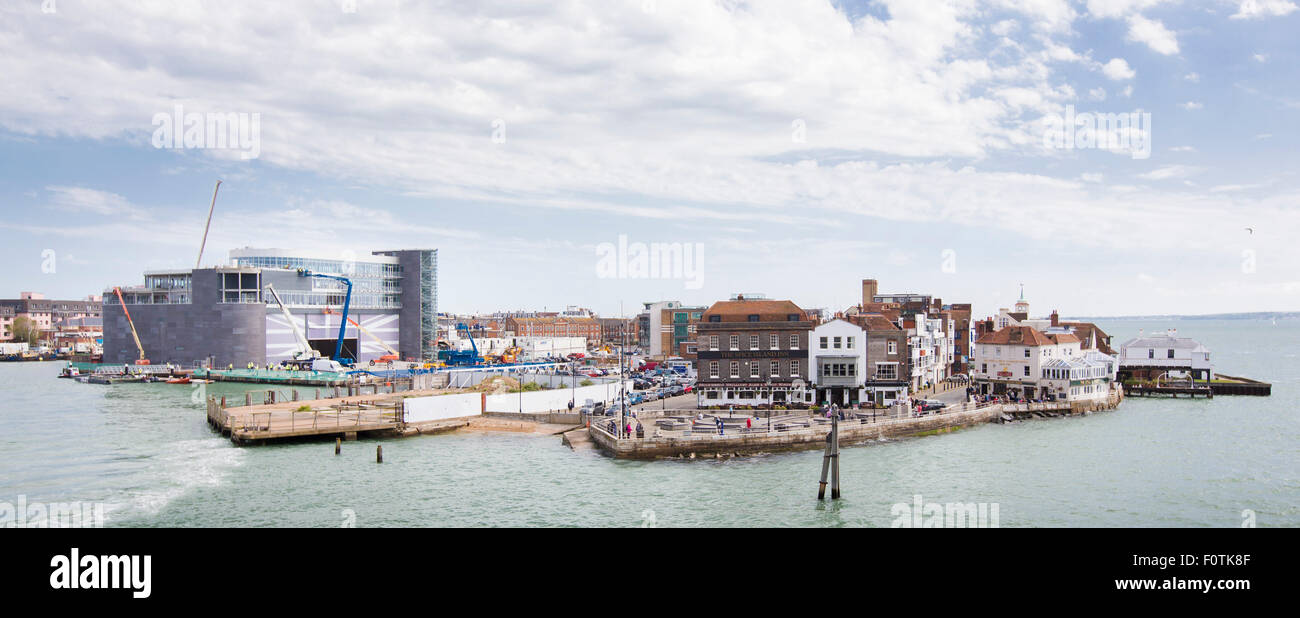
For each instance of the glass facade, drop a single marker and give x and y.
(159, 289)
(375, 285)
(428, 304)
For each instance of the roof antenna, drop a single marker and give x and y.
(199, 262)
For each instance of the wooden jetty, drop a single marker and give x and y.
(281, 418)
(1233, 385)
(1169, 390)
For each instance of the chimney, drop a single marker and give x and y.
(1056, 318)
(869, 289)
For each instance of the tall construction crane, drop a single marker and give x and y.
(392, 354)
(347, 304)
(305, 356)
(142, 360)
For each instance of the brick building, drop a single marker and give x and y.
(752, 352)
(555, 327)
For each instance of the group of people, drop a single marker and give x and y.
(626, 431)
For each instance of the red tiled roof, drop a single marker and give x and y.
(873, 321)
(767, 310)
(1026, 336)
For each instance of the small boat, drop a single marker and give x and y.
(182, 380)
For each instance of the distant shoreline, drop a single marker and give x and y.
(1258, 315)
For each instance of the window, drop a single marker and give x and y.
(794, 368)
(735, 369)
(753, 317)
(1171, 353)
(713, 369)
(836, 343)
(774, 341)
(754, 369)
(893, 347)
(735, 342)
(794, 342)
(1026, 369)
(850, 342)
(711, 395)
(792, 317)
(713, 342)
(1151, 353)
(715, 318)
(886, 371)
(774, 369)
(1026, 352)
(984, 367)
(753, 342)
(823, 343)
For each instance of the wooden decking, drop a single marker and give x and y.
(347, 418)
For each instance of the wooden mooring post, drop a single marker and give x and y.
(338, 445)
(831, 459)
(379, 454)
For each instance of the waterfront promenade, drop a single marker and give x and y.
(681, 433)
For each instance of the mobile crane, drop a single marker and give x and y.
(343, 324)
(462, 357)
(305, 357)
(142, 360)
(392, 354)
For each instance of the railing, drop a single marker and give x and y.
(302, 420)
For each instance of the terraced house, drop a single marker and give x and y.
(753, 352)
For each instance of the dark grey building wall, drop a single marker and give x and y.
(232, 333)
(417, 321)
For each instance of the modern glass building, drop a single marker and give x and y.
(225, 313)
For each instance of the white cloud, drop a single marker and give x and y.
(91, 201)
(1153, 33)
(1182, 149)
(1190, 105)
(1086, 177)
(684, 114)
(1260, 57)
(1258, 9)
(1097, 94)
(1119, 8)
(1004, 27)
(1118, 69)
(1169, 171)
(1192, 77)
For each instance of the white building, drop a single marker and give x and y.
(1023, 362)
(531, 348)
(1149, 357)
(837, 362)
(930, 349)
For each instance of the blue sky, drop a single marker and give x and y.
(670, 121)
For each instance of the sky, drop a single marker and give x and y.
(796, 146)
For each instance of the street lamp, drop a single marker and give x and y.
(770, 402)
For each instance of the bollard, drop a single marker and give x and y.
(295, 395)
(318, 393)
(248, 398)
(379, 454)
(338, 445)
(223, 401)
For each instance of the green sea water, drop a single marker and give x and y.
(146, 452)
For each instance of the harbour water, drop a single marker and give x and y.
(147, 454)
